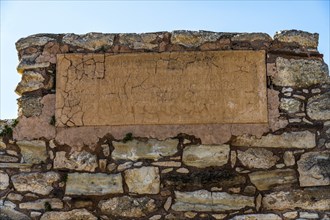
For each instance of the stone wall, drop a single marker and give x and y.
(280, 170)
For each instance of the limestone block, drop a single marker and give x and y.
(290, 105)
(76, 214)
(318, 107)
(4, 180)
(257, 158)
(303, 38)
(39, 204)
(250, 37)
(34, 151)
(194, 38)
(33, 40)
(83, 161)
(257, 217)
(206, 155)
(140, 41)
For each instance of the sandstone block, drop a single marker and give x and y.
(40, 183)
(205, 201)
(90, 41)
(31, 81)
(265, 180)
(318, 107)
(39, 204)
(151, 149)
(307, 199)
(82, 160)
(257, 217)
(33, 40)
(4, 180)
(290, 105)
(128, 206)
(144, 180)
(76, 214)
(93, 184)
(27, 62)
(303, 38)
(297, 139)
(300, 73)
(257, 158)
(314, 169)
(206, 155)
(34, 151)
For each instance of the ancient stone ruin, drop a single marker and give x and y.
(168, 125)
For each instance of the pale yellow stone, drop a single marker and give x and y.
(134, 89)
(167, 164)
(76, 214)
(34, 151)
(182, 170)
(54, 203)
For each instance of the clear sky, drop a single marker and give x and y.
(23, 18)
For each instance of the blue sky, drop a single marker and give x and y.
(23, 18)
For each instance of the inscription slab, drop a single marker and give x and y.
(210, 87)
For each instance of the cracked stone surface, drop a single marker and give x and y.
(76, 214)
(257, 158)
(135, 89)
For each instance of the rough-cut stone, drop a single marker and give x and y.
(314, 168)
(15, 165)
(318, 107)
(257, 158)
(303, 38)
(90, 41)
(4, 180)
(39, 204)
(33, 40)
(307, 199)
(27, 62)
(205, 201)
(76, 214)
(14, 197)
(167, 164)
(288, 158)
(139, 41)
(291, 215)
(8, 213)
(31, 81)
(308, 215)
(193, 38)
(40, 183)
(257, 217)
(93, 184)
(144, 180)
(290, 105)
(265, 180)
(34, 151)
(206, 155)
(297, 139)
(150, 149)
(6, 159)
(250, 37)
(77, 161)
(31, 106)
(124, 166)
(127, 206)
(185, 104)
(300, 73)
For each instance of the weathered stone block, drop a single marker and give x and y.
(4, 180)
(93, 184)
(314, 169)
(33, 40)
(194, 38)
(250, 37)
(297, 139)
(34, 151)
(318, 107)
(206, 155)
(8, 213)
(77, 161)
(303, 38)
(300, 73)
(257, 158)
(139, 41)
(127, 206)
(144, 180)
(307, 199)
(31, 106)
(151, 149)
(39, 204)
(265, 180)
(90, 41)
(290, 105)
(40, 183)
(205, 201)
(76, 214)
(257, 217)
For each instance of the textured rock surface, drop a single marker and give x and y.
(151, 149)
(140, 41)
(144, 180)
(30, 106)
(257, 158)
(33, 152)
(90, 41)
(318, 107)
(93, 184)
(206, 155)
(299, 139)
(302, 38)
(77, 161)
(314, 169)
(205, 201)
(31, 81)
(40, 183)
(40, 204)
(7, 213)
(300, 73)
(193, 38)
(265, 180)
(290, 105)
(76, 214)
(257, 217)
(4, 180)
(127, 206)
(308, 199)
(288, 158)
(33, 40)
